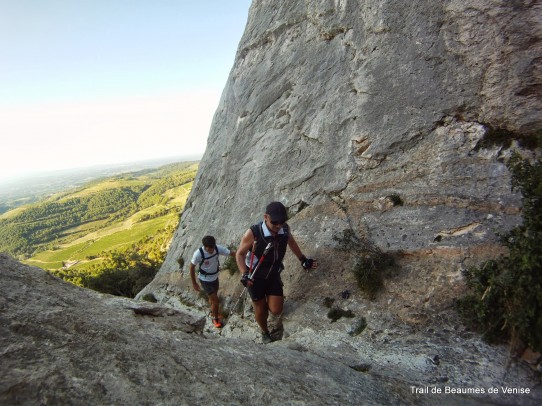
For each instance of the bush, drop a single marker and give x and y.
(230, 263)
(120, 282)
(505, 295)
(369, 276)
(483, 308)
(371, 264)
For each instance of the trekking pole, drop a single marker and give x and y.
(265, 251)
(251, 274)
(236, 303)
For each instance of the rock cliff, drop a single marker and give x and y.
(388, 122)
(333, 106)
(392, 122)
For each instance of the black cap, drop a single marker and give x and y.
(277, 212)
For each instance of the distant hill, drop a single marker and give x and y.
(119, 222)
(18, 191)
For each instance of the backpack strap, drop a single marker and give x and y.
(257, 231)
(202, 253)
(261, 241)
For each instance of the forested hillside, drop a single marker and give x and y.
(112, 231)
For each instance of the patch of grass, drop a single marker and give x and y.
(368, 273)
(44, 264)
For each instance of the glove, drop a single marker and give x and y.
(306, 263)
(244, 279)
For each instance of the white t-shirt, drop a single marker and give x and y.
(210, 264)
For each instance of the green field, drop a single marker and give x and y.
(77, 228)
(107, 239)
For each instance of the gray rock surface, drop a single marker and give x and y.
(334, 107)
(63, 345)
(341, 108)
(343, 103)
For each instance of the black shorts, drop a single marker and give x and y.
(209, 287)
(265, 287)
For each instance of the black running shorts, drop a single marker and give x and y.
(265, 287)
(209, 287)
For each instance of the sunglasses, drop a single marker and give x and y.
(277, 223)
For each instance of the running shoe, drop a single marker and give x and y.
(266, 337)
(218, 323)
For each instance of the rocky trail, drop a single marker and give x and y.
(63, 345)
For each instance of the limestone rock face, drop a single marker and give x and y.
(62, 345)
(341, 109)
(389, 121)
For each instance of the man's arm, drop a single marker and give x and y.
(246, 244)
(192, 269)
(222, 250)
(292, 243)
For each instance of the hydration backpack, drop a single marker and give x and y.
(203, 259)
(273, 260)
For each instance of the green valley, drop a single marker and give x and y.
(105, 232)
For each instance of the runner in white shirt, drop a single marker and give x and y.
(208, 266)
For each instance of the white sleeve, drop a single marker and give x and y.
(222, 250)
(196, 258)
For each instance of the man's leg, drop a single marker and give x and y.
(275, 304)
(213, 301)
(260, 314)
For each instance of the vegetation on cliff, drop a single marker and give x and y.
(505, 295)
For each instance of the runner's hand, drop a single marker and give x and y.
(308, 263)
(244, 280)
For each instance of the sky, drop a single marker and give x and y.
(93, 82)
